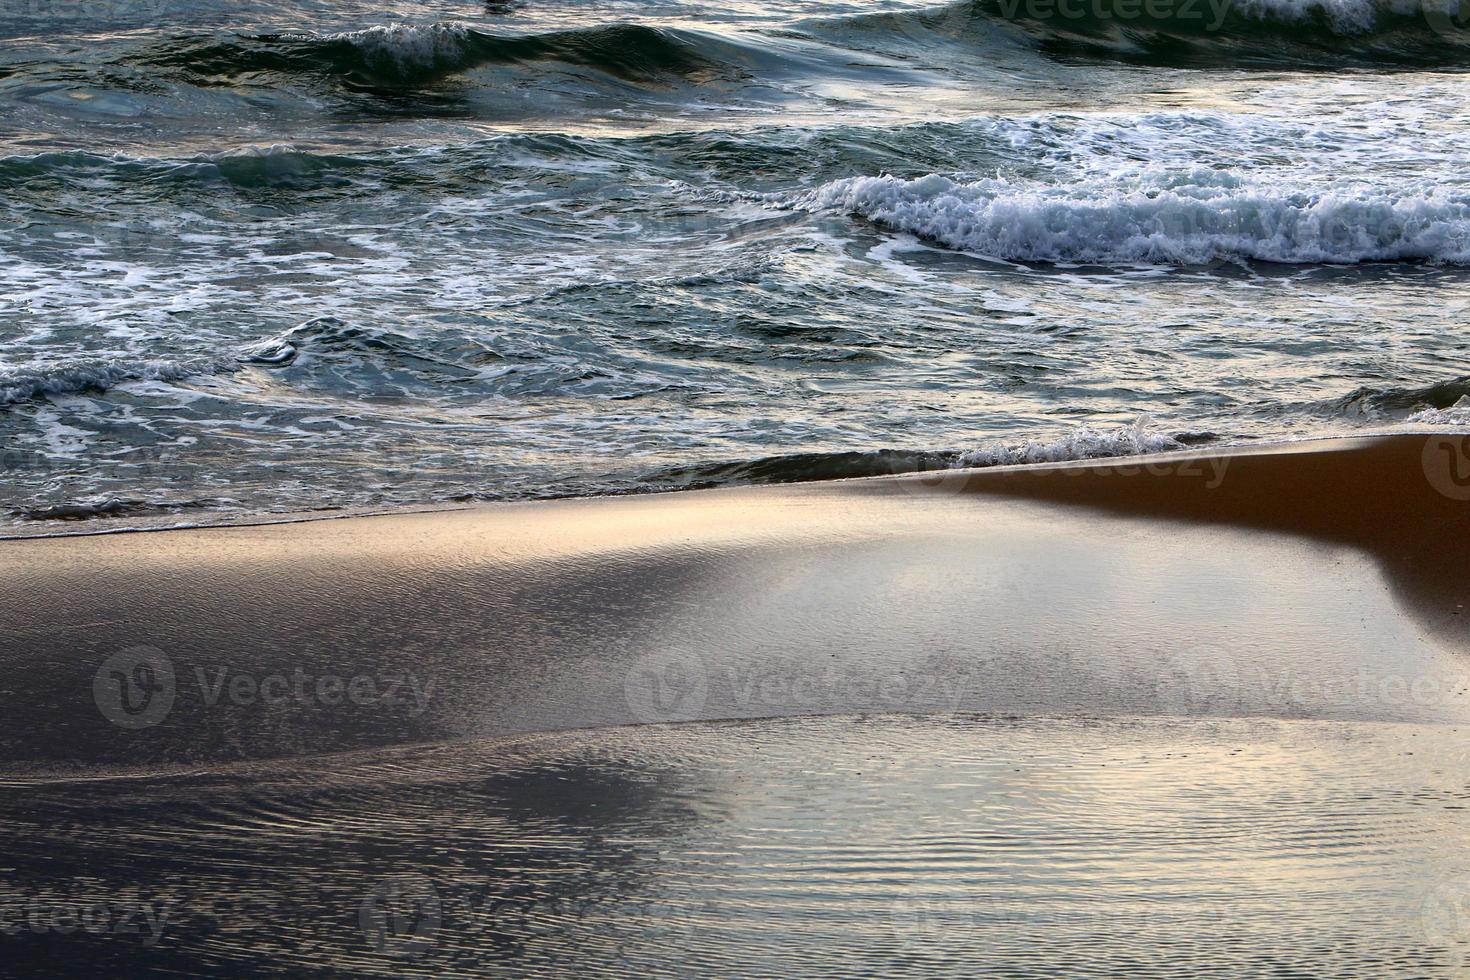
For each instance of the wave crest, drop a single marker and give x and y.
(1456, 414)
(1191, 219)
(1442, 403)
(19, 385)
(1084, 442)
(404, 47)
(411, 55)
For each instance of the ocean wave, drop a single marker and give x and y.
(96, 508)
(79, 375)
(406, 47)
(76, 377)
(1295, 34)
(411, 55)
(1085, 442)
(799, 468)
(278, 165)
(1442, 403)
(1193, 218)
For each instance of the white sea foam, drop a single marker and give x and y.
(1184, 218)
(1082, 443)
(1456, 414)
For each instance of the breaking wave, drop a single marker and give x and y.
(1444, 403)
(1085, 442)
(98, 375)
(1456, 414)
(1193, 218)
(20, 385)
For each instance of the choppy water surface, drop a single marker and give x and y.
(265, 256)
(879, 846)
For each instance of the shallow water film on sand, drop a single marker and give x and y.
(886, 846)
(300, 256)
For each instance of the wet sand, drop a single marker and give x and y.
(1316, 580)
(1200, 713)
(882, 846)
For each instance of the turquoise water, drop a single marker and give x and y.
(280, 257)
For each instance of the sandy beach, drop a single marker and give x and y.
(1312, 580)
(974, 715)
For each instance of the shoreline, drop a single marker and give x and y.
(91, 527)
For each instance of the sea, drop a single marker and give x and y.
(290, 256)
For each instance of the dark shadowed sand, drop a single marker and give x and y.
(1195, 710)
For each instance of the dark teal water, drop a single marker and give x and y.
(264, 257)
